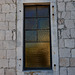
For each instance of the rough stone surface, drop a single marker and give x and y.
(73, 52)
(71, 71)
(1, 71)
(72, 60)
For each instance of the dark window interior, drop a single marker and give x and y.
(37, 41)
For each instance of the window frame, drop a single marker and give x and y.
(41, 68)
(54, 37)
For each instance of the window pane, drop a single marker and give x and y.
(30, 24)
(43, 35)
(43, 23)
(30, 11)
(37, 55)
(30, 35)
(43, 11)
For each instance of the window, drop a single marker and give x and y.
(37, 37)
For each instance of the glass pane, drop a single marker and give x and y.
(43, 35)
(30, 11)
(43, 23)
(30, 24)
(37, 55)
(30, 36)
(43, 11)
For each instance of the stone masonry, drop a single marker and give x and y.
(66, 37)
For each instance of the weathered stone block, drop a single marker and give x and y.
(10, 17)
(3, 25)
(69, 43)
(66, 15)
(3, 63)
(65, 33)
(72, 61)
(2, 17)
(64, 52)
(60, 26)
(1, 44)
(61, 43)
(10, 1)
(59, 0)
(70, 6)
(9, 44)
(0, 8)
(2, 1)
(73, 15)
(73, 33)
(1, 71)
(71, 71)
(10, 72)
(64, 62)
(11, 54)
(12, 63)
(67, 0)
(69, 23)
(3, 54)
(8, 35)
(73, 52)
(12, 8)
(2, 35)
(63, 71)
(61, 6)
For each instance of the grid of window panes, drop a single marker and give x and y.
(37, 37)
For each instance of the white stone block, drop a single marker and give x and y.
(69, 43)
(73, 15)
(1, 71)
(61, 43)
(10, 17)
(73, 52)
(2, 35)
(64, 62)
(2, 1)
(3, 63)
(11, 54)
(63, 71)
(3, 25)
(9, 44)
(2, 17)
(66, 15)
(8, 35)
(3, 54)
(60, 26)
(12, 8)
(69, 23)
(61, 6)
(64, 52)
(71, 71)
(12, 63)
(10, 72)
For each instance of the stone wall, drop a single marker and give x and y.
(66, 31)
(66, 36)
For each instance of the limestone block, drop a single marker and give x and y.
(3, 25)
(11, 54)
(3, 63)
(9, 35)
(9, 44)
(64, 52)
(59, 14)
(70, 6)
(10, 17)
(73, 52)
(63, 71)
(2, 17)
(65, 33)
(73, 15)
(2, 35)
(1, 71)
(0, 8)
(67, 0)
(12, 8)
(12, 63)
(2, 1)
(59, 0)
(5, 8)
(3, 54)
(69, 23)
(71, 71)
(66, 15)
(72, 61)
(60, 26)
(61, 43)
(61, 6)
(64, 62)
(12, 25)
(1, 44)
(10, 72)
(10, 1)
(73, 33)
(69, 43)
